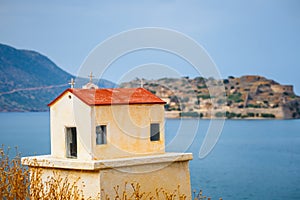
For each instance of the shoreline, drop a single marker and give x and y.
(177, 116)
(211, 115)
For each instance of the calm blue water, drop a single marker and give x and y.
(252, 159)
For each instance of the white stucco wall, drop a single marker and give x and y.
(128, 128)
(69, 111)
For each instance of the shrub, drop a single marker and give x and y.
(202, 86)
(167, 106)
(191, 114)
(225, 81)
(204, 96)
(237, 97)
(253, 106)
(251, 114)
(13, 176)
(220, 114)
(18, 182)
(221, 101)
(230, 115)
(153, 91)
(185, 99)
(267, 115)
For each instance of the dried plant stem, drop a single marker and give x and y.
(19, 182)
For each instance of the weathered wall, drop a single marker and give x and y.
(149, 176)
(87, 181)
(69, 111)
(282, 88)
(167, 176)
(128, 130)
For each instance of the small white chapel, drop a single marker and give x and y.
(111, 136)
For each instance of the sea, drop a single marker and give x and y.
(252, 159)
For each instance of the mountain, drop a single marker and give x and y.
(244, 97)
(29, 80)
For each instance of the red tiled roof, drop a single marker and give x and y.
(115, 96)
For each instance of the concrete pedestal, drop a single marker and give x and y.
(167, 171)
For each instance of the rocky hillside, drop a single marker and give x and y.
(245, 97)
(29, 80)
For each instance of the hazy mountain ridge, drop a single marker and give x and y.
(30, 80)
(245, 97)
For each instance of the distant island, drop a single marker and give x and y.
(246, 97)
(30, 80)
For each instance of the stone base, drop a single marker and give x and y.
(167, 171)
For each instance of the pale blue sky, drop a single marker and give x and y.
(242, 37)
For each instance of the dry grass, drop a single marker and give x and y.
(54, 187)
(200, 196)
(14, 178)
(133, 191)
(18, 182)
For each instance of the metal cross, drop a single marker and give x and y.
(72, 83)
(142, 83)
(91, 77)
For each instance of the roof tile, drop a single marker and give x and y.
(115, 96)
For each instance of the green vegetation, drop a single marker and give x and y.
(191, 91)
(204, 96)
(221, 101)
(185, 99)
(220, 114)
(253, 106)
(153, 91)
(230, 115)
(191, 114)
(153, 84)
(267, 115)
(251, 114)
(225, 81)
(202, 86)
(236, 97)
